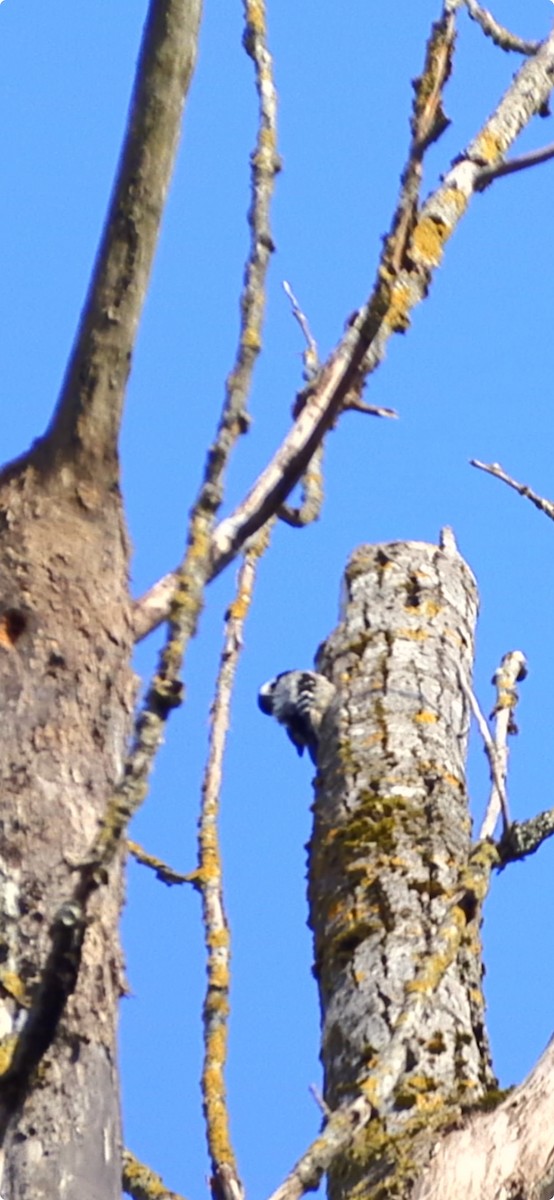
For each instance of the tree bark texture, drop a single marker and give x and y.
(66, 702)
(390, 843)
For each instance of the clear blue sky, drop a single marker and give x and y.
(473, 377)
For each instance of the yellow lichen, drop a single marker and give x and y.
(250, 338)
(488, 147)
(255, 16)
(414, 635)
(400, 303)
(7, 1048)
(427, 241)
(14, 986)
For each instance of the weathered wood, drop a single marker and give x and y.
(66, 701)
(390, 844)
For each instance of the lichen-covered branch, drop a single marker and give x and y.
(525, 837)
(545, 506)
(85, 426)
(265, 164)
(427, 124)
(162, 870)
(226, 1184)
(142, 1183)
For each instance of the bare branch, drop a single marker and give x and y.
(310, 356)
(225, 1183)
(151, 609)
(512, 670)
(532, 159)
(142, 1183)
(163, 872)
(498, 33)
(354, 404)
(85, 424)
(545, 506)
(311, 483)
(498, 797)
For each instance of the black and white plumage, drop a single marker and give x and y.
(299, 701)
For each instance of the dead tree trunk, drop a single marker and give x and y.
(388, 857)
(66, 699)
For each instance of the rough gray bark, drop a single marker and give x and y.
(390, 845)
(66, 700)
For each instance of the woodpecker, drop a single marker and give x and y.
(298, 700)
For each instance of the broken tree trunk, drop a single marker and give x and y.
(396, 927)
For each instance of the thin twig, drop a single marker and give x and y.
(225, 1181)
(354, 404)
(163, 871)
(142, 1183)
(532, 159)
(498, 33)
(310, 356)
(498, 794)
(311, 482)
(545, 506)
(512, 669)
(321, 1104)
